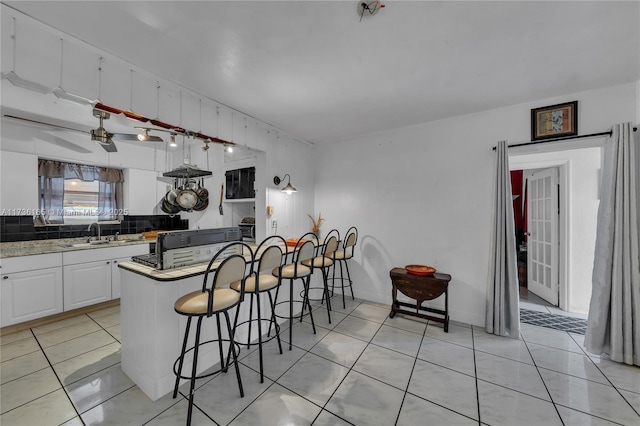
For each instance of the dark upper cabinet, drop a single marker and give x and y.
(240, 183)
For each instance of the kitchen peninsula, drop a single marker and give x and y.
(151, 332)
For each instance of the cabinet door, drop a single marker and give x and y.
(115, 277)
(30, 295)
(87, 284)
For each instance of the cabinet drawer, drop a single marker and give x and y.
(30, 263)
(107, 253)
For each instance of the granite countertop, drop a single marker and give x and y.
(29, 248)
(175, 274)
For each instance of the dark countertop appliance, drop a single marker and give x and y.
(181, 248)
(248, 228)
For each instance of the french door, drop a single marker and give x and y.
(542, 226)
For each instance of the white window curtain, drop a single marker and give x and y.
(614, 313)
(503, 298)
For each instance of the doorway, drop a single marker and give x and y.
(578, 185)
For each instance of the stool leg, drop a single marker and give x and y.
(273, 320)
(250, 316)
(273, 308)
(233, 351)
(326, 293)
(306, 297)
(223, 366)
(184, 347)
(194, 369)
(259, 336)
(290, 311)
(344, 305)
(346, 265)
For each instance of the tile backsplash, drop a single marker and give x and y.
(21, 228)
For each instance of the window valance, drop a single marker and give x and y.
(58, 169)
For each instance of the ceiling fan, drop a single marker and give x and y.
(99, 135)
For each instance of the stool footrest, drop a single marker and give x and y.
(257, 342)
(202, 376)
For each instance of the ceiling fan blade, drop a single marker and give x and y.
(66, 144)
(42, 123)
(109, 146)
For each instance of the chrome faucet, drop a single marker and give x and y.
(89, 229)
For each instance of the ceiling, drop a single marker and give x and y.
(316, 71)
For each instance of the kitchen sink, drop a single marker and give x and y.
(99, 243)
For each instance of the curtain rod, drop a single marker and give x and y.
(592, 135)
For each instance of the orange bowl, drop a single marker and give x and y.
(294, 242)
(423, 270)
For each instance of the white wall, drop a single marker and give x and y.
(423, 194)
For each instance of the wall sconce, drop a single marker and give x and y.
(288, 188)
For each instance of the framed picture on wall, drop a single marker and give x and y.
(554, 121)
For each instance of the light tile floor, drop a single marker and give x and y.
(363, 369)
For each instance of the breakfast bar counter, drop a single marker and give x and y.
(152, 332)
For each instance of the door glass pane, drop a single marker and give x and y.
(534, 252)
(540, 209)
(547, 231)
(547, 209)
(547, 186)
(547, 254)
(541, 274)
(547, 277)
(534, 272)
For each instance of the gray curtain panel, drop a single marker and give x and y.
(614, 313)
(503, 299)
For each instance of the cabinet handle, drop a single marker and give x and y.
(115, 261)
(108, 262)
(6, 277)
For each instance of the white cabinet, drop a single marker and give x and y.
(115, 277)
(28, 293)
(37, 286)
(92, 276)
(87, 284)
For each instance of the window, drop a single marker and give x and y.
(80, 201)
(77, 193)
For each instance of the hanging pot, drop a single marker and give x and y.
(173, 195)
(168, 208)
(191, 184)
(201, 205)
(187, 199)
(203, 193)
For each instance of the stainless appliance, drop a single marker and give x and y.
(248, 229)
(182, 248)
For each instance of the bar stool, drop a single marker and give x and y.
(257, 282)
(323, 262)
(342, 256)
(212, 300)
(293, 271)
